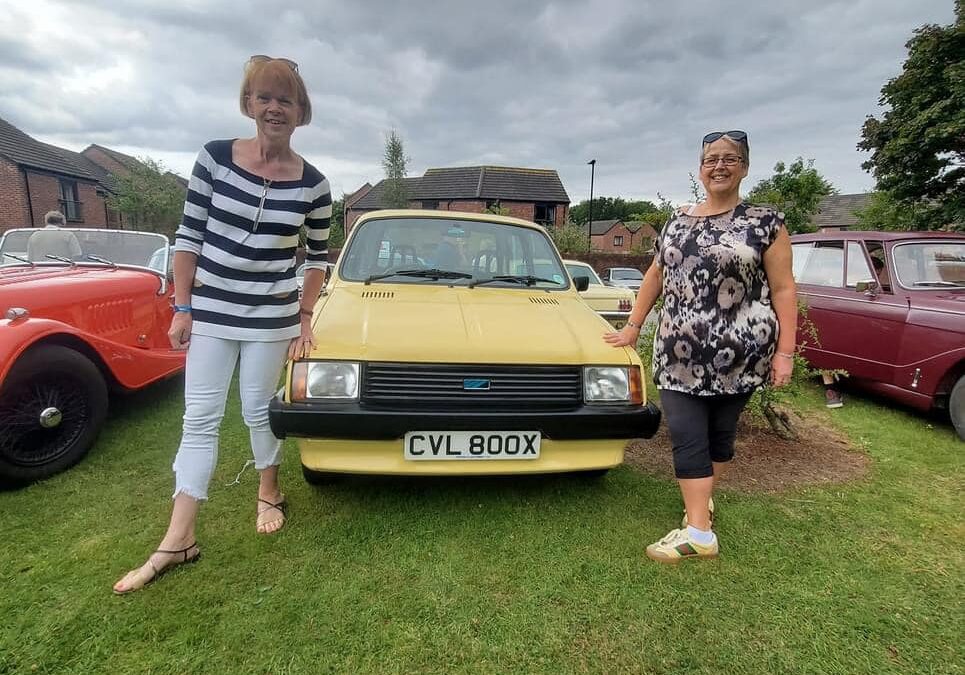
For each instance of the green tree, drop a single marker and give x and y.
(884, 212)
(150, 197)
(610, 208)
(336, 233)
(497, 209)
(570, 239)
(696, 189)
(796, 190)
(918, 145)
(394, 162)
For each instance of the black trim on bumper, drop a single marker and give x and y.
(352, 421)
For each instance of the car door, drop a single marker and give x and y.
(857, 331)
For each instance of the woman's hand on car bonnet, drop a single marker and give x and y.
(626, 336)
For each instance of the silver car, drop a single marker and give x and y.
(624, 277)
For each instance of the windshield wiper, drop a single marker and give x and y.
(60, 258)
(951, 284)
(17, 257)
(434, 274)
(97, 258)
(525, 279)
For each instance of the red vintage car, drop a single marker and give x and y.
(889, 309)
(85, 311)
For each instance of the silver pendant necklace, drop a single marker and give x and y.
(261, 204)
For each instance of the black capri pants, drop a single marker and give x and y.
(702, 430)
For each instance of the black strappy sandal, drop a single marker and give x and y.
(281, 506)
(157, 573)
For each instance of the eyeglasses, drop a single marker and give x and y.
(728, 160)
(264, 58)
(735, 135)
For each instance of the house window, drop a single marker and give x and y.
(544, 214)
(69, 201)
(432, 204)
(618, 240)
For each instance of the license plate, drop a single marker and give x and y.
(471, 445)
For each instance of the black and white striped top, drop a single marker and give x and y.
(244, 286)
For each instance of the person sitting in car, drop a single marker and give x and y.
(451, 252)
(51, 240)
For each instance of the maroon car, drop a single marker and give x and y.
(889, 308)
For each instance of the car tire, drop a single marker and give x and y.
(52, 406)
(956, 407)
(313, 477)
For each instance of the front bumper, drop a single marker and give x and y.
(356, 422)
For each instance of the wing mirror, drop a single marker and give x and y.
(581, 282)
(869, 288)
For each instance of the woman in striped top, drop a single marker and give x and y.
(236, 296)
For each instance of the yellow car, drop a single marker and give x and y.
(613, 303)
(441, 351)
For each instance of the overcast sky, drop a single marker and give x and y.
(634, 84)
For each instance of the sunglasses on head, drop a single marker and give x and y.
(736, 135)
(263, 58)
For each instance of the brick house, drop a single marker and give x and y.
(531, 194)
(37, 177)
(616, 236)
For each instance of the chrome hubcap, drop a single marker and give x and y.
(50, 418)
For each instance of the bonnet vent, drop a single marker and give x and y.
(543, 301)
(378, 294)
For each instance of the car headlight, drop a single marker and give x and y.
(612, 384)
(325, 380)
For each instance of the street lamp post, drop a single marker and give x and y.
(589, 224)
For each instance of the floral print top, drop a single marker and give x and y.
(717, 330)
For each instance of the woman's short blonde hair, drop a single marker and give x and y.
(276, 72)
(742, 149)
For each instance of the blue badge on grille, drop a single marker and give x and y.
(470, 384)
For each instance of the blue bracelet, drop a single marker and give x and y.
(182, 308)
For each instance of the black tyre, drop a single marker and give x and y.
(956, 407)
(318, 477)
(52, 406)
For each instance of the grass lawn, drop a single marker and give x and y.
(543, 575)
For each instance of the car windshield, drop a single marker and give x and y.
(452, 252)
(626, 274)
(584, 271)
(84, 246)
(931, 265)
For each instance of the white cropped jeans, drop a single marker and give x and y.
(207, 375)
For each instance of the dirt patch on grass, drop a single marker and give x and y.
(764, 462)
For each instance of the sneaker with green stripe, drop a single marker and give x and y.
(677, 546)
(710, 504)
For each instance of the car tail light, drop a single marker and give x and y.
(625, 305)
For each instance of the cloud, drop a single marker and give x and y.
(543, 84)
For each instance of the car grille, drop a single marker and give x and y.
(453, 387)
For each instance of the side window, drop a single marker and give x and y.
(820, 263)
(858, 269)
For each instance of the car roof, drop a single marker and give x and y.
(446, 215)
(624, 268)
(861, 235)
(576, 262)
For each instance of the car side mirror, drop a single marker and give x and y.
(869, 288)
(581, 282)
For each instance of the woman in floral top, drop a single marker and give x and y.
(727, 327)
